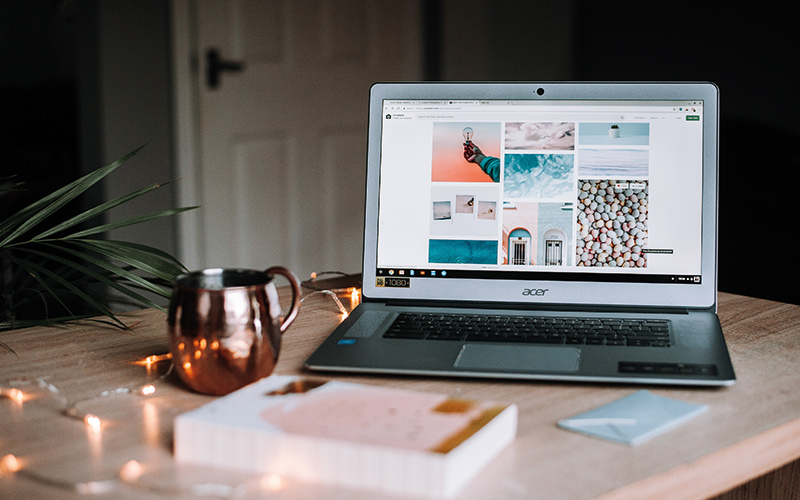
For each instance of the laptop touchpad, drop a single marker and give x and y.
(521, 358)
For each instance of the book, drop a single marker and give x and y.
(354, 435)
(633, 419)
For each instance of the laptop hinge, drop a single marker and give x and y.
(505, 306)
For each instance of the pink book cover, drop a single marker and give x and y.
(379, 416)
(302, 427)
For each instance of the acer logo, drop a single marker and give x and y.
(534, 292)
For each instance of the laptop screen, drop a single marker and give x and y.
(540, 191)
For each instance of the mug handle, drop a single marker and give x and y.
(295, 307)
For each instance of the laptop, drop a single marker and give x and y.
(539, 231)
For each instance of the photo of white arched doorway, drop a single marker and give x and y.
(537, 234)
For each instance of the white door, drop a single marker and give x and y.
(281, 145)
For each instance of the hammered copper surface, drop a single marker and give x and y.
(225, 326)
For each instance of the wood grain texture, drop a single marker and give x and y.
(751, 428)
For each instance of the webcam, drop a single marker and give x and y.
(540, 91)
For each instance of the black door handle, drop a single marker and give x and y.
(215, 65)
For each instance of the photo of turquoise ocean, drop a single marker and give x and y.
(462, 251)
(538, 176)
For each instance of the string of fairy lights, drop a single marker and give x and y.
(10, 464)
(353, 292)
(18, 391)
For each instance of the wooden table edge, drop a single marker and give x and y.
(721, 470)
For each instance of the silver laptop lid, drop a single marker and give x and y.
(544, 193)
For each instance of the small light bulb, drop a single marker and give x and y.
(153, 359)
(92, 421)
(131, 471)
(148, 390)
(9, 464)
(468, 133)
(15, 395)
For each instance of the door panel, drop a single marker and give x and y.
(283, 143)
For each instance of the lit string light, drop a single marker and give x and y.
(151, 361)
(70, 409)
(10, 464)
(353, 292)
(13, 394)
(331, 294)
(131, 472)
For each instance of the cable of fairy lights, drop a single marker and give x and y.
(354, 292)
(129, 475)
(10, 464)
(131, 471)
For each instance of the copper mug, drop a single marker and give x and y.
(225, 326)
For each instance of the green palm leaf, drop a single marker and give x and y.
(95, 212)
(113, 269)
(45, 265)
(127, 222)
(150, 260)
(92, 301)
(31, 216)
(35, 272)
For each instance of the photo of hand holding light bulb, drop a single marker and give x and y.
(473, 154)
(455, 157)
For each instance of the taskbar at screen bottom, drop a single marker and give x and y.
(682, 279)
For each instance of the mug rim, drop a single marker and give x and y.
(203, 277)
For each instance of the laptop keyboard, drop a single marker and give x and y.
(527, 329)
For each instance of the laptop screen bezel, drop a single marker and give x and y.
(573, 293)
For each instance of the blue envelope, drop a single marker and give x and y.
(634, 418)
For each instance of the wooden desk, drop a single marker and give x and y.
(751, 428)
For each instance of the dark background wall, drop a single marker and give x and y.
(85, 81)
(748, 50)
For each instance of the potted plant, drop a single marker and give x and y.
(613, 131)
(54, 270)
